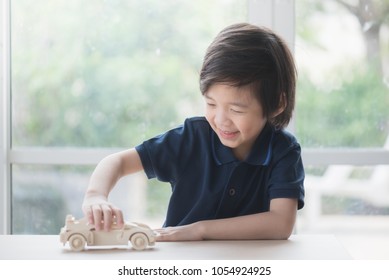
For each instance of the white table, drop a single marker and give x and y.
(298, 247)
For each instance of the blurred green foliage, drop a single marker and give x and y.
(348, 106)
(353, 114)
(108, 73)
(114, 73)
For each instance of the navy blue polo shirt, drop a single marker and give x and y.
(208, 182)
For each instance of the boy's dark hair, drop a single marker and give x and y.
(246, 55)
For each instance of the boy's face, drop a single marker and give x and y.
(236, 116)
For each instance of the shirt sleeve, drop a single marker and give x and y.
(164, 156)
(287, 173)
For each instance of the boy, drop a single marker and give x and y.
(235, 173)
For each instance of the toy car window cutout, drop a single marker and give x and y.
(79, 234)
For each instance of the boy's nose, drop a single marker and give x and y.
(222, 118)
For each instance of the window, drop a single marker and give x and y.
(83, 79)
(342, 120)
(86, 75)
(341, 50)
(89, 78)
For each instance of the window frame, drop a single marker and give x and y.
(5, 128)
(278, 15)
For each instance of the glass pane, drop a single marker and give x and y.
(351, 202)
(343, 100)
(342, 51)
(109, 73)
(42, 196)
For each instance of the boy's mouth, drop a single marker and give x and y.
(228, 134)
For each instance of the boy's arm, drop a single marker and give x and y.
(277, 223)
(109, 170)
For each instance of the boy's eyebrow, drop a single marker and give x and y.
(235, 103)
(239, 104)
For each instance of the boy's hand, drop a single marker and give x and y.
(101, 213)
(191, 232)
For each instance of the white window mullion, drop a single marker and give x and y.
(345, 156)
(278, 15)
(89, 156)
(284, 20)
(5, 119)
(260, 12)
(60, 156)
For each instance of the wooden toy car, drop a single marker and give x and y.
(80, 233)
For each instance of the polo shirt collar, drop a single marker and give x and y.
(259, 155)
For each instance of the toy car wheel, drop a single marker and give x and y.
(139, 241)
(77, 242)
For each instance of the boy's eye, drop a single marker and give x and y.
(211, 104)
(237, 111)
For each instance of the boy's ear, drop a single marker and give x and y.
(281, 107)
